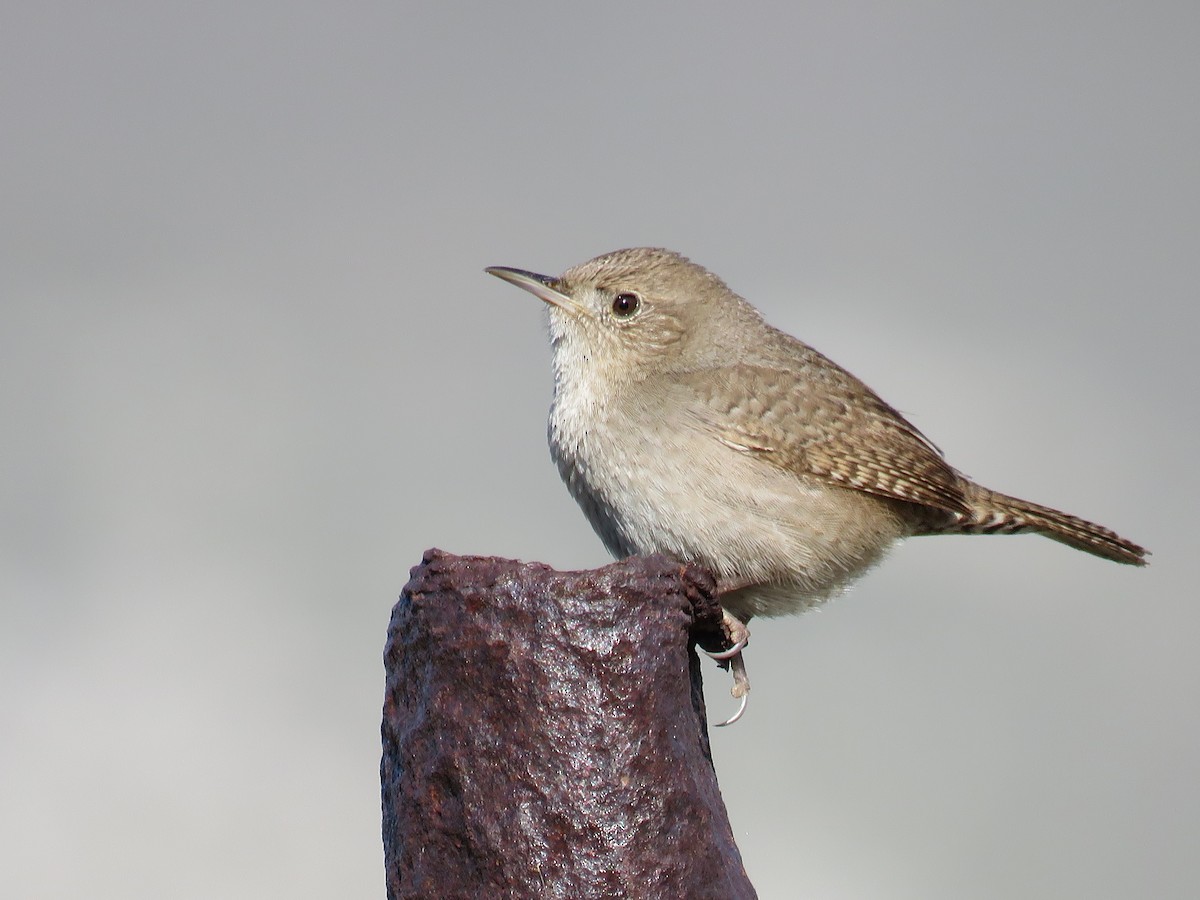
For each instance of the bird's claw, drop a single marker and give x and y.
(738, 635)
(741, 688)
(723, 655)
(737, 715)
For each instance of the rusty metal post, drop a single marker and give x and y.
(544, 734)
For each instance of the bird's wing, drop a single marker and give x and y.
(825, 424)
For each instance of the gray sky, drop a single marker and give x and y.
(252, 368)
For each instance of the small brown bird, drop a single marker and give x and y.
(684, 424)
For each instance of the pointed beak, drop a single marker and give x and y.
(541, 286)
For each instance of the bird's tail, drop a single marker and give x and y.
(996, 513)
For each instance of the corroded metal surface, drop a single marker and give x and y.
(544, 734)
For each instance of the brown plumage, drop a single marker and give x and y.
(848, 437)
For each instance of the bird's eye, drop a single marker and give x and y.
(625, 305)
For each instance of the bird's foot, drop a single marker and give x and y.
(741, 688)
(738, 636)
(736, 633)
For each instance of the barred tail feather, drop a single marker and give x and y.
(996, 513)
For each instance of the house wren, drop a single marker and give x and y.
(684, 424)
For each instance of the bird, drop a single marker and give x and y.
(684, 424)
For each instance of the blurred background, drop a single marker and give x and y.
(252, 368)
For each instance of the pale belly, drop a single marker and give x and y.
(791, 541)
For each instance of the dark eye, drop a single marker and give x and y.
(626, 304)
